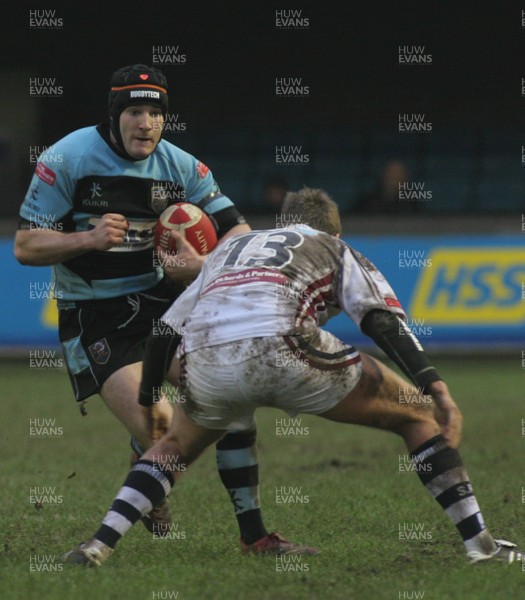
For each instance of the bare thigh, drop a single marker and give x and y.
(383, 400)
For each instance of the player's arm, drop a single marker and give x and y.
(396, 340)
(48, 203)
(162, 342)
(235, 230)
(370, 301)
(159, 352)
(159, 363)
(367, 297)
(42, 247)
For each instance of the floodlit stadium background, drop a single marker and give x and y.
(438, 88)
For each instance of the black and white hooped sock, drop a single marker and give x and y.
(441, 470)
(146, 485)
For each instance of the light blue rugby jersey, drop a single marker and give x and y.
(81, 177)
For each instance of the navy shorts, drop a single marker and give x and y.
(99, 337)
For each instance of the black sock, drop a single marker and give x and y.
(239, 472)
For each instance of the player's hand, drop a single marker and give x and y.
(158, 420)
(186, 264)
(110, 231)
(447, 413)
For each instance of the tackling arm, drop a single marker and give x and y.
(394, 337)
(159, 353)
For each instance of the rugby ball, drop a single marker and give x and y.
(191, 222)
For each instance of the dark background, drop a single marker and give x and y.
(348, 56)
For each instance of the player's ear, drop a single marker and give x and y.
(337, 235)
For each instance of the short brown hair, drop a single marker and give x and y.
(313, 207)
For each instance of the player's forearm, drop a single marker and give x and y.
(159, 351)
(43, 247)
(394, 337)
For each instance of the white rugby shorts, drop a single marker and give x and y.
(223, 385)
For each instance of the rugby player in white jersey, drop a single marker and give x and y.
(266, 293)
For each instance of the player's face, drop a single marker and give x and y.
(141, 128)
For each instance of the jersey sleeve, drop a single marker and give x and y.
(203, 190)
(364, 288)
(50, 194)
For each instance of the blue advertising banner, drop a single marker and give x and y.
(459, 292)
(29, 316)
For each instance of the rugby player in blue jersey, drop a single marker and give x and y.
(99, 191)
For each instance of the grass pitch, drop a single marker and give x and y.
(340, 488)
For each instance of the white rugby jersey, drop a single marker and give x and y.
(277, 282)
